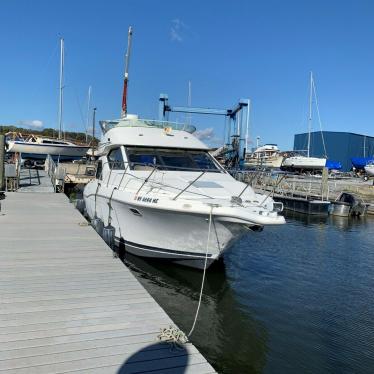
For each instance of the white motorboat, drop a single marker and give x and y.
(162, 191)
(35, 147)
(266, 156)
(165, 196)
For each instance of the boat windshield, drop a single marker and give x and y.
(137, 122)
(144, 158)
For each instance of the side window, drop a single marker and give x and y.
(99, 170)
(115, 159)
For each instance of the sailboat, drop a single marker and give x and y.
(38, 147)
(299, 162)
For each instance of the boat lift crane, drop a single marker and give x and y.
(233, 150)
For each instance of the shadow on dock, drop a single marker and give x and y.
(156, 356)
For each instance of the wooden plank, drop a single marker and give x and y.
(67, 305)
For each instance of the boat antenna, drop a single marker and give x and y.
(310, 111)
(88, 111)
(126, 78)
(61, 88)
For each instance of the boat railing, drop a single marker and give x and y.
(55, 173)
(290, 185)
(72, 172)
(125, 167)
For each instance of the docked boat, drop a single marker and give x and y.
(161, 191)
(266, 156)
(38, 147)
(160, 194)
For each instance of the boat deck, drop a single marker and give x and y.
(66, 305)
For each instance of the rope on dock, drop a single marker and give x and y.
(174, 336)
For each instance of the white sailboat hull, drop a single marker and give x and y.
(38, 149)
(305, 163)
(369, 169)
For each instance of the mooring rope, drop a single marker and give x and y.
(203, 280)
(173, 335)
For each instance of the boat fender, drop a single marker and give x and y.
(108, 235)
(98, 225)
(80, 205)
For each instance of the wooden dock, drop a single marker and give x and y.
(66, 305)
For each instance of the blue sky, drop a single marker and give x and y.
(262, 50)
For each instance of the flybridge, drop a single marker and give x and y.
(134, 121)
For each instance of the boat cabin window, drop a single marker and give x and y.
(115, 159)
(52, 142)
(99, 170)
(144, 158)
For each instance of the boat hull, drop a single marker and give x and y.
(369, 169)
(29, 150)
(163, 234)
(304, 163)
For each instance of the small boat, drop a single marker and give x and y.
(266, 156)
(348, 204)
(38, 147)
(369, 169)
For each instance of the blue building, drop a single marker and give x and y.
(340, 146)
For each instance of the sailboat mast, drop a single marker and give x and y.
(310, 111)
(126, 77)
(61, 88)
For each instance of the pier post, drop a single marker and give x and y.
(2, 159)
(324, 183)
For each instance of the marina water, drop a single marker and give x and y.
(296, 298)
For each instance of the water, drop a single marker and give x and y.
(297, 298)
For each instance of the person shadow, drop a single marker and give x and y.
(160, 357)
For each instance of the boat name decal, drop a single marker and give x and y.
(146, 199)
